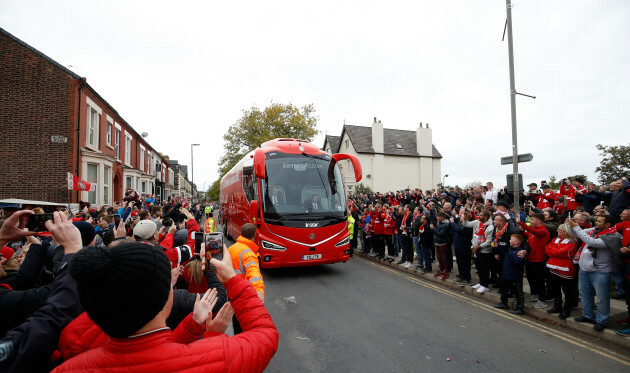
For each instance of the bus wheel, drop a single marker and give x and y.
(225, 231)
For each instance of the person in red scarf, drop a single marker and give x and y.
(405, 227)
(598, 251)
(537, 238)
(500, 244)
(561, 251)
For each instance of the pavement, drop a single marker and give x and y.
(618, 308)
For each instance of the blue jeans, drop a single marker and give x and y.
(426, 257)
(618, 276)
(600, 283)
(398, 246)
(416, 246)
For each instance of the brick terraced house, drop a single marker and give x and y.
(53, 122)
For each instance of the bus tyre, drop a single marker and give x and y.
(225, 230)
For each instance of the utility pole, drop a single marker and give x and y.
(513, 106)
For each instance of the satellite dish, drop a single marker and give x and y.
(144, 134)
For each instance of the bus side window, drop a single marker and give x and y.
(249, 185)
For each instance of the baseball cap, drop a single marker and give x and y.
(533, 184)
(145, 229)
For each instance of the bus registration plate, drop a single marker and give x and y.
(310, 257)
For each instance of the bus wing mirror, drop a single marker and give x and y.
(253, 211)
(259, 163)
(358, 171)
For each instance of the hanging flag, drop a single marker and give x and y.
(74, 183)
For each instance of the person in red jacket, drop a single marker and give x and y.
(547, 198)
(127, 292)
(561, 251)
(537, 238)
(379, 231)
(388, 229)
(570, 189)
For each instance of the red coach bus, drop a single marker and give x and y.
(294, 193)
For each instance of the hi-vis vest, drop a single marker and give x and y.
(208, 209)
(351, 226)
(210, 226)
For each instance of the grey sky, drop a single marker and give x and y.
(183, 71)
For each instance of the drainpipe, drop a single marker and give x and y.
(79, 131)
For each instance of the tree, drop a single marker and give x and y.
(256, 126)
(362, 189)
(615, 163)
(553, 182)
(213, 192)
(473, 184)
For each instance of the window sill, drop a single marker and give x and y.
(109, 146)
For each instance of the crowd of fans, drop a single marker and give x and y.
(124, 286)
(571, 243)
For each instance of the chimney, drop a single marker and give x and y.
(378, 138)
(424, 141)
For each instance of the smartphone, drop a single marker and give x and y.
(35, 222)
(198, 237)
(116, 220)
(214, 247)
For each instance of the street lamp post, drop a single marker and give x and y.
(192, 173)
(444, 186)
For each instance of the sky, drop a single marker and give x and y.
(184, 71)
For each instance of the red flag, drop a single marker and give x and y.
(74, 183)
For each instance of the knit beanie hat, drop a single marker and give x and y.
(7, 252)
(122, 288)
(87, 232)
(180, 237)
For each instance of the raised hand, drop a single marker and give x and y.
(203, 307)
(222, 320)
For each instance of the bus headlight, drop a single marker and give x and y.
(345, 241)
(272, 246)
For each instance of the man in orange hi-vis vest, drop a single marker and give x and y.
(244, 254)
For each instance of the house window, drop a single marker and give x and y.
(142, 152)
(106, 175)
(92, 177)
(137, 183)
(128, 150)
(128, 183)
(144, 187)
(109, 133)
(398, 146)
(347, 144)
(117, 140)
(93, 120)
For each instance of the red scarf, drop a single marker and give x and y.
(498, 235)
(481, 233)
(404, 223)
(421, 229)
(611, 230)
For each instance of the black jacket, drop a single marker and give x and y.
(28, 347)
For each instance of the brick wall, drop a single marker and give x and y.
(37, 101)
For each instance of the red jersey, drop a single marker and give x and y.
(546, 200)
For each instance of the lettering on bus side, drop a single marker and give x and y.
(312, 225)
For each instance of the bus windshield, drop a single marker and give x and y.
(302, 188)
